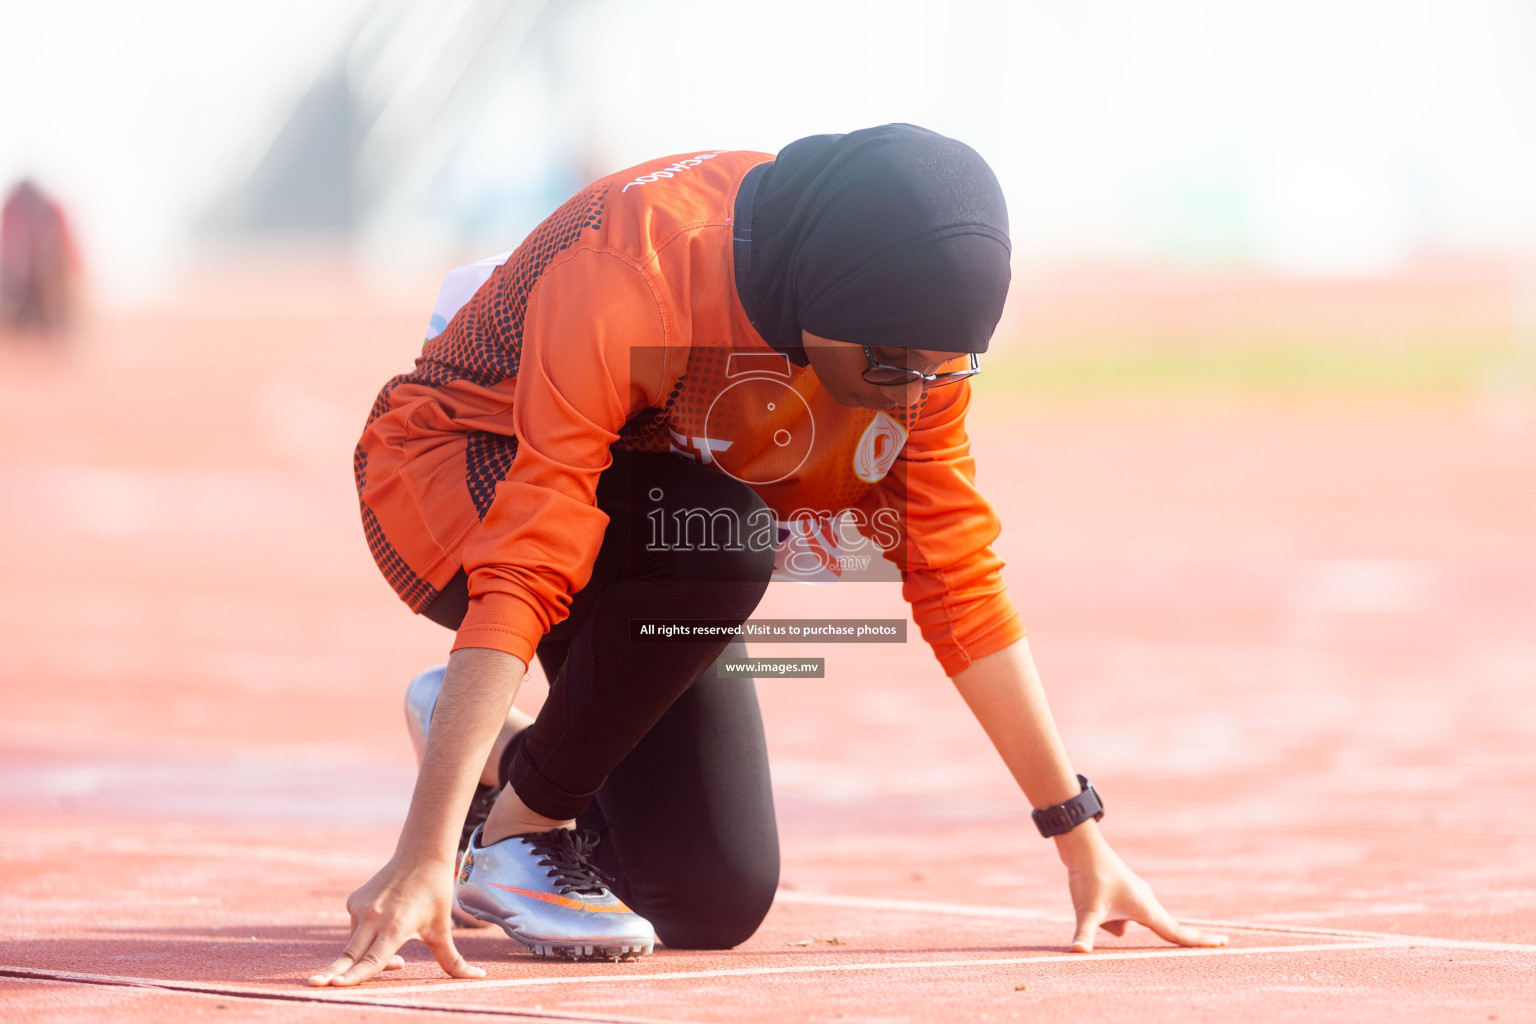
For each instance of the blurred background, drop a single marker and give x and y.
(1349, 137)
(1189, 174)
(1260, 420)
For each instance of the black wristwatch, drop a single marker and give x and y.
(1066, 816)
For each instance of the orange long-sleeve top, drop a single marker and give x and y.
(616, 323)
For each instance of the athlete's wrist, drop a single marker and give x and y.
(415, 851)
(1082, 846)
(428, 836)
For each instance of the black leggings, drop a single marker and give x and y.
(639, 741)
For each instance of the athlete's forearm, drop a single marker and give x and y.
(478, 690)
(1004, 692)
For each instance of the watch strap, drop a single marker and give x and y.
(1067, 815)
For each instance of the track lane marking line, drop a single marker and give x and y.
(161, 848)
(304, 995)
(1345, 933)
(387, 998)
(888, 965)
(1024, 913)
(290, 855)
(917, 906)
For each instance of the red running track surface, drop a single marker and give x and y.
(1291, 642)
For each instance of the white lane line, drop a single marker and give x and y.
(303, 994)
(889, 965)
(53, 839)
(1023, 913)
(109, 843)
(1434, 941)
(917, 906)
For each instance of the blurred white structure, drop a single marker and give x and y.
(1307, 136)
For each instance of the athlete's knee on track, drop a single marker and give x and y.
(707, 895)
(718, 912)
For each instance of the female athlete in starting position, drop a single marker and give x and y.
(774, 353)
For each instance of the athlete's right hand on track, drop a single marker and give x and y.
(406, 900)
(1107, 894)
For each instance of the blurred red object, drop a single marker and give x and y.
(39, 265)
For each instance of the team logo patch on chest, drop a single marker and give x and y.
(876, 453)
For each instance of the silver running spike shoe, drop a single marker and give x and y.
(420, 699)
(544, 891)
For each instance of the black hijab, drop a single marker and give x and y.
(893, 236)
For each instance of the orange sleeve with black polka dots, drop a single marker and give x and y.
(538, 540)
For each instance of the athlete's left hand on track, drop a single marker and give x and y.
(1107, 894)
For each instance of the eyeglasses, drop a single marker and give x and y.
(887, 376)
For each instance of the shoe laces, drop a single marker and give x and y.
(567, 852)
